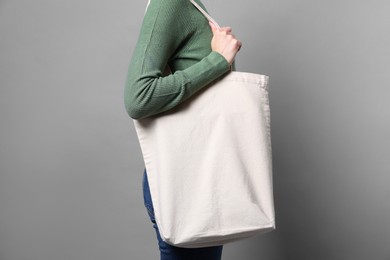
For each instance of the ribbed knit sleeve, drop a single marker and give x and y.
(166, 27)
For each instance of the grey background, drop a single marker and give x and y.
(70, 162)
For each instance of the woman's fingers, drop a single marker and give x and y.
(226, 29)
(225, 42)
(214, 28)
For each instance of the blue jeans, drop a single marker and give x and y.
(169, 252)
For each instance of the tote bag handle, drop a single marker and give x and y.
(200, 9)
(205, 14)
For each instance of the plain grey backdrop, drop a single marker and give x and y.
(70, 162)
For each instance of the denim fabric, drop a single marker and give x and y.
(169, 252)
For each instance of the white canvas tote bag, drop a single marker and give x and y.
(209, 163)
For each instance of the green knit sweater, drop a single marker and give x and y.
(173, 32)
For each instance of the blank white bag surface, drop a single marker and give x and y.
(209, 163)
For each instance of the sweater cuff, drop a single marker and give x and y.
(220, 60)
(207, 70)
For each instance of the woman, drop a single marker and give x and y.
(176, 34)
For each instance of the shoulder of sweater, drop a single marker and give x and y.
(173, 9)
(179, 12)
(174, 3)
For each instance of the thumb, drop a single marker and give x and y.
(213, 27)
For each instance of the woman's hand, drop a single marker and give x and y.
(225, 42)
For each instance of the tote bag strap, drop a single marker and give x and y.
(200, 9)
(147, 5)
(205, 13)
